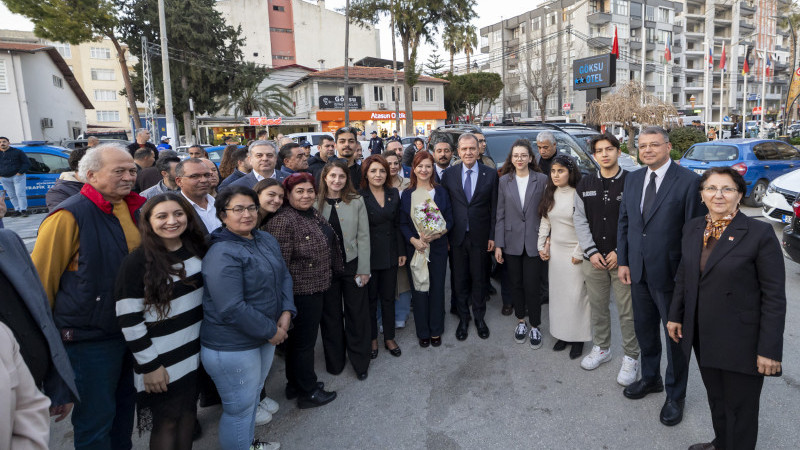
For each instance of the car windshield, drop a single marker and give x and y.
(498, 145)
(712, 153)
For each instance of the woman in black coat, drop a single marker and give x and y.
(730, 306)
(387, 251)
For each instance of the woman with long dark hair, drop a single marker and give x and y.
(558, 243)
(345, 315)
(228, 164)
(159, 293)
(387, 251)
(270, 198)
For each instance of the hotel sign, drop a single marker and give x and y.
(594, 72)
(337, 102)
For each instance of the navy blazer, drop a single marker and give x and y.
(442, 200)
(16, 264)
(517, 227)
(480, 212)
(655, 240)
(738, 302)
(250, 180)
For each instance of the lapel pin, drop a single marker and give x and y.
(730, 238)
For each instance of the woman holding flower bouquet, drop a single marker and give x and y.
(347, 333)
(425, 218)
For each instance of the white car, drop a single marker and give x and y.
(780, 195)
(312, 137)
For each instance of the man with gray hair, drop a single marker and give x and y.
(546, 143)
(263, 156)
(101, 221)
(142, 141)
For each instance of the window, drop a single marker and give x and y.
(280, 30)
(664, 15)
(58, 82)
(650, 13)
(46, 163)
(551, 19)
(415, 95)
(100, 53)
(766, 151)
(103, 74)
(377, 93)
(623, 31)
(664, 36)
(536, 23)
(3, 77)
(393, 93)
(786, 151)
(621, 7)
(63, 49)
(278, 8)
(430, 95)
(636, 10)
(108, 116)
(105, 95)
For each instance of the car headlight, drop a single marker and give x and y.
(771, 188)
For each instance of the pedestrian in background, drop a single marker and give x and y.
(68, 183)
(14, 164)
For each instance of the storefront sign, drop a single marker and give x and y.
(386, 116)
(337, 102)
(265, 121)
(327, 116)
(594, 72)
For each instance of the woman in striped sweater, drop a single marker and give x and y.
(159, 292)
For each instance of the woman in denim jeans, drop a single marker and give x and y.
(247, 306)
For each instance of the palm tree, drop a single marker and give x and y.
(469, 40)
(271, 100)
(451, 38)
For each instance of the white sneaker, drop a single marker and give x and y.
(269, 404)
(263, 416)
(628, 371)
(595, 358)
(521, 333)
(259, 445)
(399, 324)
(535, 338)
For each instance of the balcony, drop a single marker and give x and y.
(694, 86)
(694, 35)
(599, 42)
(485, 49)
(700, 3)
(599, 17)
(746, 27)
(695, 15)
(694, 52)
(693, 69)
(677, 29)
(746, 9)
(514, 98)
(512, 80)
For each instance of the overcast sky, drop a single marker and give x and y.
(487, 13)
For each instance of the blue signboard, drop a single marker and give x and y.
(594, 72)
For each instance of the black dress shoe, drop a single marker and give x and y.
(393, 351)
(560, 345)
(317, 398)
(703, 446)
(483, 330)
(576, 350)
(291, 392)
(672, 412)
(462, 331)
(362, 376)
(638, 389)
(374, 353)
(424, 343)
(492, 290)
(436, 341)
(507, 310)
(24, 213)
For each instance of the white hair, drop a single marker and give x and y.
(93, 159)
(142, 131)
(545, 136)
(261, 143)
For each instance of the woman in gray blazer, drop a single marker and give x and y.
(516, 232)
(347, 332)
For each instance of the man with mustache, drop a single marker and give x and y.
(193, 177)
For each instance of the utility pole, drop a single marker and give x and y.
(346, 63)
(149, 93)
(396, 91)
(172, 131)
(721, 89)
(707, 89)
(744, 97)
(763, 91)
(644, 48)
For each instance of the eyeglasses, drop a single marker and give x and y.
(520, 157)
(652, 145)
(726, 191)
(481, 141)
(197, 176)
(239, 210)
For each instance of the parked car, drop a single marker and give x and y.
(73, 144)
(781, 193)
(215, 153)
(791, 234)
(758, 160)
(500, 138)
(584, 133)
(312, 137)
(406, 141)
(47, 163)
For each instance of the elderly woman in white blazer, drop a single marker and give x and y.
(516, 234)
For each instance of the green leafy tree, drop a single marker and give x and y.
(469, 40)
(434, 65)
(205, 54)
(465, 93)
(417, 21)
(451, 38)
(75, 22)
(267, 101)
(682, 138)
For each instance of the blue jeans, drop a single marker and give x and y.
(103, 418)
(402, 307)
(15, 188)
(239, 377)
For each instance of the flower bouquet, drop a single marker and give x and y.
(428, 220)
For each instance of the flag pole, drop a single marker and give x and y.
(744, 101)
(705, 86)
(721, 87)
(763, 91)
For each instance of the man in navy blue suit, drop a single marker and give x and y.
(656, 202)
(473, 194)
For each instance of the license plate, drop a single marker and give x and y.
(786, 219)
(699, 171)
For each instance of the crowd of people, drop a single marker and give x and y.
(145, 302)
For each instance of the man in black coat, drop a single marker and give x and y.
(326, 153)
(473, 194)
(656, 203)
(375, 144)
(142, 141)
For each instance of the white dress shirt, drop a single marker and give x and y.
(660, 173)
(473, 176)
(207, 215)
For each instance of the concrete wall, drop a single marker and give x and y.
(306, 101)
(12, 106)
(252, 15)
(44, 99)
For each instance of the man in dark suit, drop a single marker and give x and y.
(375, 144)
(656, 203)
(443, 154)
(473, 194)
(263, 156)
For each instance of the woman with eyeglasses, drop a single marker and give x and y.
(345, 315)
(311, 251)
(248, 306)
(729, 306)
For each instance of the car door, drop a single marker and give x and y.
(789, 158)
(768, 161)
(42, 175)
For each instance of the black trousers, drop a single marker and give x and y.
(300, 344)
(469, 264)
(382, 286)
(524, 279)
(345, 323)
(429, 306)
(734, 400)
(544, 282)
(453, 293)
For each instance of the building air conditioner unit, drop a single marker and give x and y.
(381, 105)
(47, 122)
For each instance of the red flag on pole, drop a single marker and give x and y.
(667, 51)
(722, 58)
(746, 68)
(615, 47)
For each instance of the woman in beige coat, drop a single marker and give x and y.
(24, 410)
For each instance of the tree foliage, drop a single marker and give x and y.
(466, 92)
(417, 21)
(682, 138)
(271, 100)
(434, 65)
(541, 79)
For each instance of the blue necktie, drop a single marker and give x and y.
(468, 186)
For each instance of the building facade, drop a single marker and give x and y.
(40, 99)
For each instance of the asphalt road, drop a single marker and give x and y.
(481, 394)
